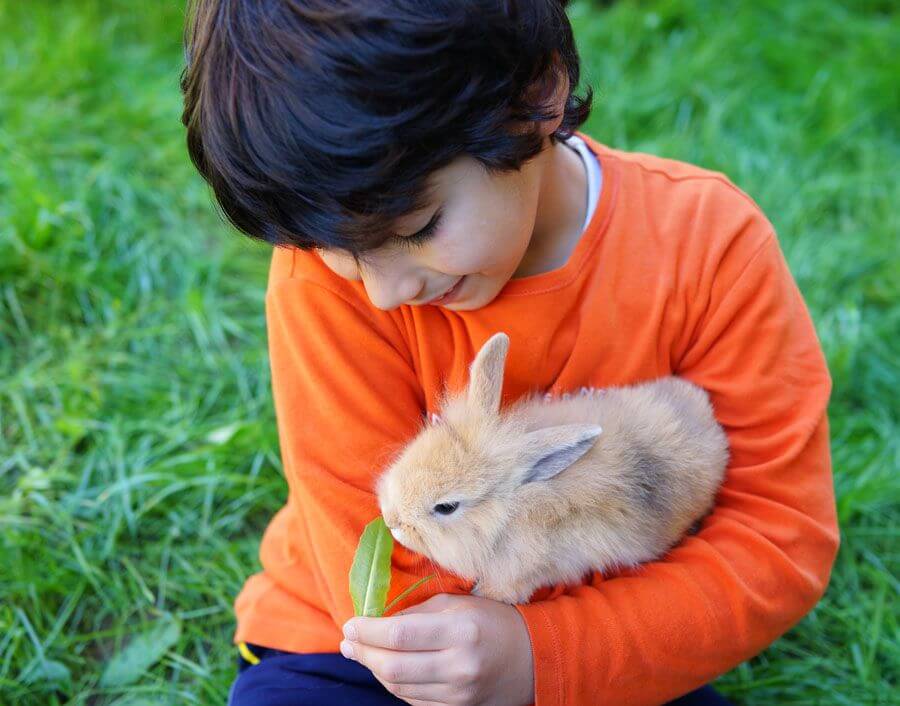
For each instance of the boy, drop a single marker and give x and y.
(420, 168)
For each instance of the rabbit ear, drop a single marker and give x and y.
(553, 449)
(486, 375)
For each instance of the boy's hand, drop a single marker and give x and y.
(451, 649)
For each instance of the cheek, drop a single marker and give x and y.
(507, 233)
(489, 245)
(420, 539)
(466, 257)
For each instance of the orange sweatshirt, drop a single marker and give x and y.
(678, 272)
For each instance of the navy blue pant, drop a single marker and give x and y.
(330, 679)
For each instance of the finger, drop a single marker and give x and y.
(402, 667)
(414, 631)
(395, 688)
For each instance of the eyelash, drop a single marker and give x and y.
(415, 240)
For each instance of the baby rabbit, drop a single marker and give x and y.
(549, 490)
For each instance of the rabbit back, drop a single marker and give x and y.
(651, 474)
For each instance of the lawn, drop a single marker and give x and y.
(139, 460)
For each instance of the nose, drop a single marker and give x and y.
(391, 285)
(388, 280)
(387, 295)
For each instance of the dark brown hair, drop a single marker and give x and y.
(318, 122)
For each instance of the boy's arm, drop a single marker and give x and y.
(347, 398)
(763, 556)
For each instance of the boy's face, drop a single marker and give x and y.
(491, 229)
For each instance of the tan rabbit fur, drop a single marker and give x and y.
(548, 490)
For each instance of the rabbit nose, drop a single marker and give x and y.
(393, 524)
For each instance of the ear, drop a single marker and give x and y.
(551, 90)
(553, 449)
(486, 375)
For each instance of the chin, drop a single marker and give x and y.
(471, 302)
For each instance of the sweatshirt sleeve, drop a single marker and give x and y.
(763, 556)
(347, 398)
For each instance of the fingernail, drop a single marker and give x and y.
(346, 649)
(350, 631)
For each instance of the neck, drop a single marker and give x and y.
(561, 210)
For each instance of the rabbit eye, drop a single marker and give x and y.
(446, 508)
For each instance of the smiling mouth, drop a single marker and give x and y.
(449, 294)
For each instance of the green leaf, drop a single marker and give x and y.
(370, 573)
(141, 653)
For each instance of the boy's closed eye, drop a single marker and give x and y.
(423, 234)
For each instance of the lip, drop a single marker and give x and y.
(449, 295)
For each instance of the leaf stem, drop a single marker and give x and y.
(407, 591)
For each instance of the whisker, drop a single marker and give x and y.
(434, 566)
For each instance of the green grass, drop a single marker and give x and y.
(138, 452)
